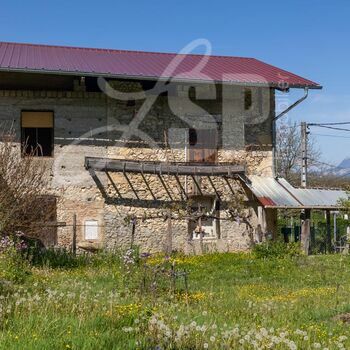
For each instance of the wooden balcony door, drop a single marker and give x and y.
(203, 146)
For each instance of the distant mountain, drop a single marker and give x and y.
(345, 164)
(343, 169)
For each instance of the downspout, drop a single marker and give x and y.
(274, 120)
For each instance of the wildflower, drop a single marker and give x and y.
(205, 345)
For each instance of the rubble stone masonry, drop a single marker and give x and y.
(92, 124)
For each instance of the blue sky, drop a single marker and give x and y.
(310, 38)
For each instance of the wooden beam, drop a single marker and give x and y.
(148, 187)
(212, 185)
(131, 186)
(113, 184)
(147, 167)
(166, 188)
(181, 187)
(229, 185)
(197, 185)
(98, 183)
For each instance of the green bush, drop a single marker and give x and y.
(13, 268)
(276, 249)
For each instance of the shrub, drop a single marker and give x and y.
(12, 265)
(276, 249)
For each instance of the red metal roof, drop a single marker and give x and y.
(144, 65)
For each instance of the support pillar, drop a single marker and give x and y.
(305, 232)
(329, 235)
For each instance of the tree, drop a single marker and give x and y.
(345, 203)
(23, 186)
(288, 144)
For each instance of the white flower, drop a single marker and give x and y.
(205, 345)
(168, 334)
(212, 339)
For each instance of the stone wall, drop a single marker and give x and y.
(92, 124)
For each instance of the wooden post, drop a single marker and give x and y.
(200, 229)
(335, 228)
(133, 227)
(328, 225)
(261, 224)
(305, 232)
(169, 238)
(74, 241)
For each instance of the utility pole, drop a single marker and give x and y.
(306, 214)
(304, 135)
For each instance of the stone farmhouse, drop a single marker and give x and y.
(164, 151)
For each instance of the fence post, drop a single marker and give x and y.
(133, 228)
(74, 243)
(169, 237)
(329, 236)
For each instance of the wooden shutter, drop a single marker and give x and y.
(37, 119)
(205, 147)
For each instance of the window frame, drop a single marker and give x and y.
(23, 154)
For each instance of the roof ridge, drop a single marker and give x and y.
(121, 50)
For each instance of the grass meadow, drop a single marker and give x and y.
(214, 301)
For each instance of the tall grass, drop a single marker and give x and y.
(122, 300)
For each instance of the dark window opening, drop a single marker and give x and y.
(37, 134)
(192, 93)
(248, 99)
(130, 103)
(192, 137)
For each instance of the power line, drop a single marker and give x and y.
(339, 123)
(323, 163)
(331, 127)
(329, 135)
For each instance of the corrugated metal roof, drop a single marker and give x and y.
(278, 193)
(137, 64)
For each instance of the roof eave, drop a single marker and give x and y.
(142, 77)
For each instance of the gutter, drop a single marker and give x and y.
(274, 120)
